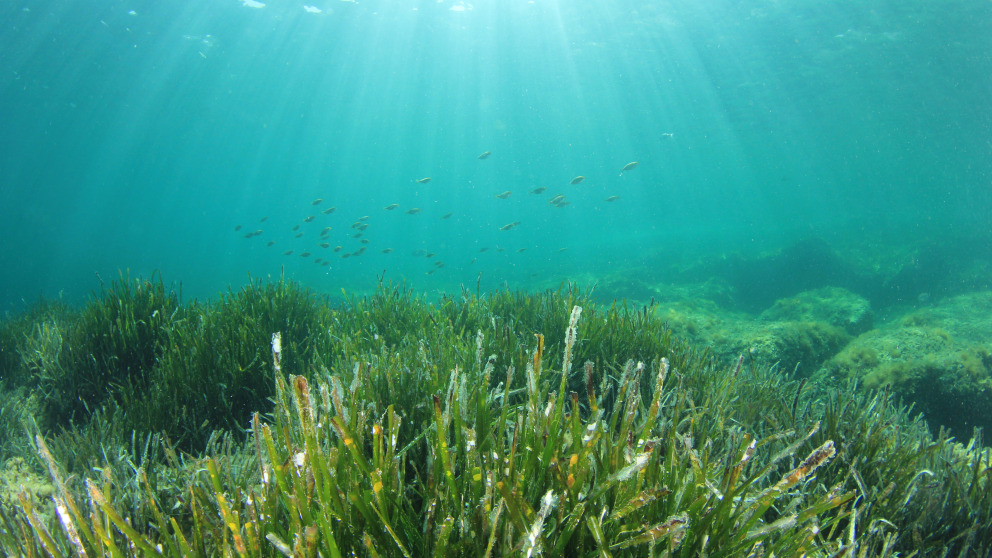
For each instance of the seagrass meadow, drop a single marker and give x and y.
(275, 421)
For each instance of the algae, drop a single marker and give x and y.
(937, 357)
(18, 478)
(830, 305)
(791, 342)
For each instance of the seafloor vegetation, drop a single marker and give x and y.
(913, 319)
(275, 421)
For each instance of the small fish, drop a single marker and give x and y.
(629, 166)
(447, 215)
(413, 211)
(356, 224)
(262, 220)
(612, 198)
(298, 235)
(363, 218)
(358, 235)
(237, 228)
(504, 195)
(316, 201)
(327, 230)
(483, 249)
(387, 250)
(424, 180)
(256, 233)
(538, 190)
(485, 155)
(296, 227)
(324, 245)
(304, 254)
(520, 250)
(270, 243)
(438, 264)
(248, 235)
(364, 241)
(563, 249)
(309, 218)
(287, 253)
(557, 199)
(346, 255)
(328, 211)
(338, 248)
(318, 261)
(563, 203)
(429, 255)
(508, 227)
(391, 206)
(577, 180)
(363, 226)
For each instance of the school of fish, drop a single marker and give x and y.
(355, 231)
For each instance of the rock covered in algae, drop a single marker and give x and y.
(799, 345)
(939, 358)
(831, 305)
(804, 331)
(18, 477)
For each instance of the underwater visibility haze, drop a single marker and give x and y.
(140, 135)
(761, 231)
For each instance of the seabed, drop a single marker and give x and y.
(278, 421)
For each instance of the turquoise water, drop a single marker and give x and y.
(139, 134)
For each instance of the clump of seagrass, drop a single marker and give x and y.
(109, 348)
(528, 470)
(426, 446)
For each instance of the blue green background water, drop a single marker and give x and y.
(138, 134)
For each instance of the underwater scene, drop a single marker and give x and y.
(495, 278)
